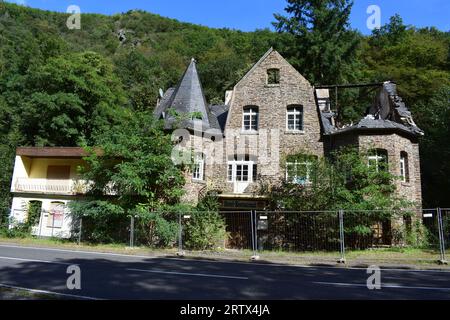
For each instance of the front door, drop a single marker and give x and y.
(241, 174)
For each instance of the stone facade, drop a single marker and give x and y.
(395, 144)
(268, 146)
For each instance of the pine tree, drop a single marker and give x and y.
(323, 46)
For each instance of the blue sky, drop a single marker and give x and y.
(248, 15)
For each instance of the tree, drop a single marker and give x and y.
(70, 99)
(135, 164)
(344, 182)
(132, 174)
(435, 149)
(322, 47)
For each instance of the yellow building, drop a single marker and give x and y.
(47, 177)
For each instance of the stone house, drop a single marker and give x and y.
(271, 113)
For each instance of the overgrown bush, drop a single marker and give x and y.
(156, 229)
(102, 221)
(19, 231)
(204, 230)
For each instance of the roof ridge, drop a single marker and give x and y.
(256, 65)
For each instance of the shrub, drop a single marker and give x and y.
(156, 229)
(103, 222)
(204, 230)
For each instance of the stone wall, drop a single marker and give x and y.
(272, 101)
(394, 144)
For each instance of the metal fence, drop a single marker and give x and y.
(331, 232)
(338, 231)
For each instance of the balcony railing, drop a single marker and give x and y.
(50, 186)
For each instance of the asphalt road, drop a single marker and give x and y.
(114, 276)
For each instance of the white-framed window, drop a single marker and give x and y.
(198, 170)
(404, 168)
(299, 172)
(242, 171)
(250, 118)
(294, 118)
(378, 159)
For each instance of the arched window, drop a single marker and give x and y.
(294, 118)
(378, 159)
(273, 76)
(198, 170)
(404, 166)
(250, 118)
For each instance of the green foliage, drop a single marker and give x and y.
(82, 82)
(435, 149)
(132, 170)
(78, 95)
(322, 45)
(345, 182)
(204, 230)
(102, 221)
(416, 235)
(19, 232)
(33, 214)
(155, 228)
(135, 164)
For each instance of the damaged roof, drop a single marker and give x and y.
(388, 112)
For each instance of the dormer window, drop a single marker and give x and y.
(250, 118)
(273, 76)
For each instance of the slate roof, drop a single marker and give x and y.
(187, 98)
(221, 113)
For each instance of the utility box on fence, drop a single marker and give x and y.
(262, 226)
(263, 222)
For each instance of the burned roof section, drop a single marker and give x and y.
(387, 112)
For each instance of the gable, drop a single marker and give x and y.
(257, 75)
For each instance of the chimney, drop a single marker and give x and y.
(228, 96)
(323, 99)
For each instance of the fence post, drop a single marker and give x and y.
(441, 236)
(41, 218)
(132, 232)
(53, 222)
(80, 230)
(254, 235)
(341, 236)
(180, 252)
